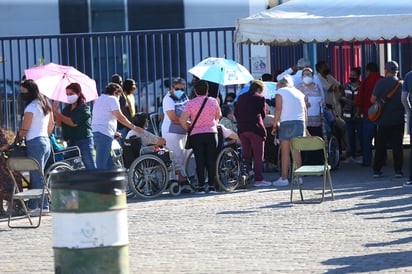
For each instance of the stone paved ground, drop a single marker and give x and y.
(366, 230)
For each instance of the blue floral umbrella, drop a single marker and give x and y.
(221, 71)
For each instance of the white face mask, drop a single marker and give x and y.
(307, 80)
(71, 99)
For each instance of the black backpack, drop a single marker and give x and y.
(131, 150)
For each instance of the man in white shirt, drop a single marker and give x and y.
(296, 71)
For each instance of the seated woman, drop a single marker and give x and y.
(141, 121)
(6, 182)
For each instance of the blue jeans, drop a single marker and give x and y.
(38, 148)
(86, 147)
(103, 144)
(368, 132)
(353, 129)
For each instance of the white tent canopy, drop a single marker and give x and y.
(299, 21)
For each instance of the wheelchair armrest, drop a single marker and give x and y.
(69, 152)
(147, 149)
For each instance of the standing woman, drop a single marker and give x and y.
(36, 127)
(75, 121)
(106, 113)
(291, 113)
(174, 103)
(250, 111)
(313, 100)
(204, 133)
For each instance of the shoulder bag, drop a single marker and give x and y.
(375, 111)
(17, 149)
(188, 144)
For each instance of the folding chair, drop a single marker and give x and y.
(22, 164)
(309, 143)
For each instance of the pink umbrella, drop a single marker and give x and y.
(53, 79)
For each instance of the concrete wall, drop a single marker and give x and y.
(29, 17)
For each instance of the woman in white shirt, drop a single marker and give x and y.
(291, 113)
(36, 127)
(106, 113)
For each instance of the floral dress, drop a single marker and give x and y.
(6, 182)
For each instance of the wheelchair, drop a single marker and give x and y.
(66, 159)
(150, 170)
(231, 171)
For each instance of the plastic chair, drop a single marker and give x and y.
(309, 143)
(24, 164)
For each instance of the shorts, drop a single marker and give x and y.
(291, 129)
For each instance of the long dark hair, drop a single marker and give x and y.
(34, 93)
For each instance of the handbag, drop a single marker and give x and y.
(375, 111)
(17, 149)
(188, 144)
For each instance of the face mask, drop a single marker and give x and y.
(178, 93)
(71, 99)
(353, 79)
(24, 96)
(307, 80)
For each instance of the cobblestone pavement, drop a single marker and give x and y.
(367, 229)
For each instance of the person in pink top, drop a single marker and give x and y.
(204, 134)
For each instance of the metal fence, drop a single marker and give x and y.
(154, 57)
(151, 58)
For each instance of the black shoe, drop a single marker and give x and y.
(398, 174)
(377, 174)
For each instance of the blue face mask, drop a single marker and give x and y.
(178, 93)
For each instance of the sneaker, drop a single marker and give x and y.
(200, 192)
(377, 174)
(398, 175)
(211, 190)
(349, 160)
(300, 181)
(281, 182)
(36, 212)
(407, 184)
(359, 161)
(262, 183)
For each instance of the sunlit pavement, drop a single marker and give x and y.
(367, 229)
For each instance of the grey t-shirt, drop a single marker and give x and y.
(393, 111)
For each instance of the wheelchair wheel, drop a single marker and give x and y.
(148, 176)
(57, 166)
(228, 168)
(333, 152)
(175, 188)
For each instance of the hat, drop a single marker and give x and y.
(392, 66)
(303, 62)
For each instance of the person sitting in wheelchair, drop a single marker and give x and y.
(226, 137)
(136, 139)
(141, 121)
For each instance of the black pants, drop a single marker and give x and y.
(392, 135)
(205, 150)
